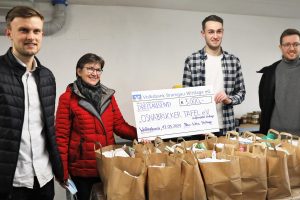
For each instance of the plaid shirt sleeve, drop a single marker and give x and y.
(187, 74)
(233, 80)
(194, 70)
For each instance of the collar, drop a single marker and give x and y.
(203, 54)
(34, 63)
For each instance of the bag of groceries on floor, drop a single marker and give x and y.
(193, 187)
(277, 170)
(291, 147)
(127, 179)
(253, 169)
(221, 174)
(140, 149)
(114, 162)
(164, 177)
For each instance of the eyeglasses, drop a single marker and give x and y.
(288, 45)
(91, 70)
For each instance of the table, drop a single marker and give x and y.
(248, 127)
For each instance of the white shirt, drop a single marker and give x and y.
(214, 77)
(33, 157)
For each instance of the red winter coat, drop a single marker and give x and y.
(78, 127)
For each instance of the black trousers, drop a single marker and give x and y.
(37, 193)
(84, 186)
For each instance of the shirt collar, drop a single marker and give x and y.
(34, 63)
(203, 54)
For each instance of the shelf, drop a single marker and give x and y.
(248, 127)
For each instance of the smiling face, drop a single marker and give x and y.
(290, 47)
(213, 34)
(26, 36)
(90, 73)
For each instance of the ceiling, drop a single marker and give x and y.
(269, 8)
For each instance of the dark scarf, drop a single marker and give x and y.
(91, 92)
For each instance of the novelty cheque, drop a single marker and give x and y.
(176, 112)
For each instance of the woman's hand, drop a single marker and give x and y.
(63, 183)
(144, 141)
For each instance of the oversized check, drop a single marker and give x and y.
(176, 112)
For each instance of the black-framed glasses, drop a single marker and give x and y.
(92, 70)
(289, 45)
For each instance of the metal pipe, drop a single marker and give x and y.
(50, 27)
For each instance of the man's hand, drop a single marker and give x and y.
(221, 97)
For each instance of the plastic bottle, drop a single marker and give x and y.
(214, 153)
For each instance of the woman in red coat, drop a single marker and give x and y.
(87, 113)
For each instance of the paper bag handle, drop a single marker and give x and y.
(234, 133)
(135, 142)
(158, 141)
(288, 136)
(275, 132)
(257, 144)
(249, 134)
(180, 139)
(98, 144)
(210, 135)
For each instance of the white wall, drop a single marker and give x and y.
(145, 48)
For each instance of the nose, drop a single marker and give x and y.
(215, 35)
(30, 35)
(94, 73)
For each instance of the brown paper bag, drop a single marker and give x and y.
(186, 144)
(161, 145)
(193, 187)
(222, 179)
(226, 139)
(293, 159)
(127, 182)
(164, 177)
(278, 177)
(253, 175)
(277, 170)
(253, 168)
(106, 164)
(141, 148)
(210, 140)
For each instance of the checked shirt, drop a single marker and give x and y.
(194, 75)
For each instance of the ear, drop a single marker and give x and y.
(78, 72)
(202, 33)
(8, 33)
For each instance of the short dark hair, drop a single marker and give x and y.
(289, 31)
(23, 12)
(214, 18)
(89, 58)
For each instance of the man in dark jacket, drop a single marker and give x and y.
(29, 158)
(279, 88)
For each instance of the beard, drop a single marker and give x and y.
(213, 47)
(27, 52)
